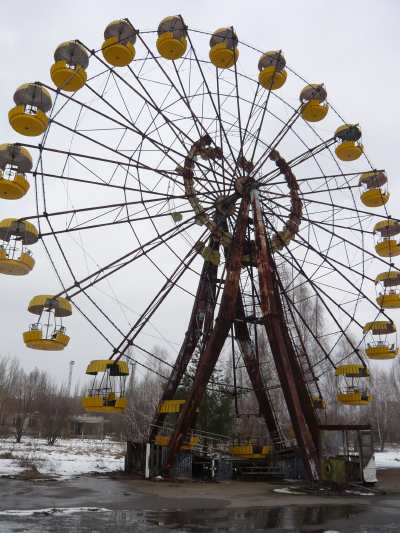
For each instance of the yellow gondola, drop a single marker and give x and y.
(118, 48)
(272, 74)
(15, 258)
(351, 389)
(390, 297)
(68, 71)
(48, 333)
(172, 38)
(223, 48)
(32, 102)
(313, 99)
(380, 349)
(374, 193)
(387, 247)
(15, 160)
(107, 392)
(349, 148)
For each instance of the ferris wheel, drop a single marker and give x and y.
(194, 168)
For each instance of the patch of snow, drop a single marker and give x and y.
(359, 493)
(9, 467)
(66, 459)
(287, 490)
(390, 458)
(54, 511)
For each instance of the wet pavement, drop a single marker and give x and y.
(117, 506)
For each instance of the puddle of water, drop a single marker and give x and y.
(279, 519)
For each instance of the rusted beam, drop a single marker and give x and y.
(217, 337)
(251, 362)
(282, 349)
(203, 309)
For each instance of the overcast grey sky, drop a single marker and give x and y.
(353, 47)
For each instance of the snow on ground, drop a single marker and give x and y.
(54, 511)
(66, 459)
(390, 458)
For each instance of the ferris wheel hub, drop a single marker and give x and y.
(243, 184)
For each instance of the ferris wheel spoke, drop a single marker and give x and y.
(331, 262)
(275, 142)
(211, 99)
(351, 209)
(304, 242)
(201, 130)
(301, 158)
(323, 177)
(333, 224)
(322, 295)
(129, 164)
(291, 306)
(183, 97)
(142, 250)
(157, 300)
(160, 146)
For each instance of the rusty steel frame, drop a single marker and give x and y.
(200, 321)
(216, 340)
(252, 365)
(297, 399)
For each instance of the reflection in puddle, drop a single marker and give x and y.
(286, 518)
(278, 519)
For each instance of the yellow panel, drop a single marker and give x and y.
(17, 267)
(161, 440)
(33, 339)
(27, 124)
(374, 197)
(62, 307)
(353, 398)
(272, 79)
(171, 406)
(246, 449)
(381, 351)
(379, 327)
(223, 57)
(352, 370)
(387, 248)
(314, 111)
(171, 48)
(13, 189)
(98, 404)
(389, 301)
(67, 78)
(116, 53)
(102, 365)
(349, 151)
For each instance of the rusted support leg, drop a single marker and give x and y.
(253, 369)
(217, 337)
(203, 307)
(280, 343)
